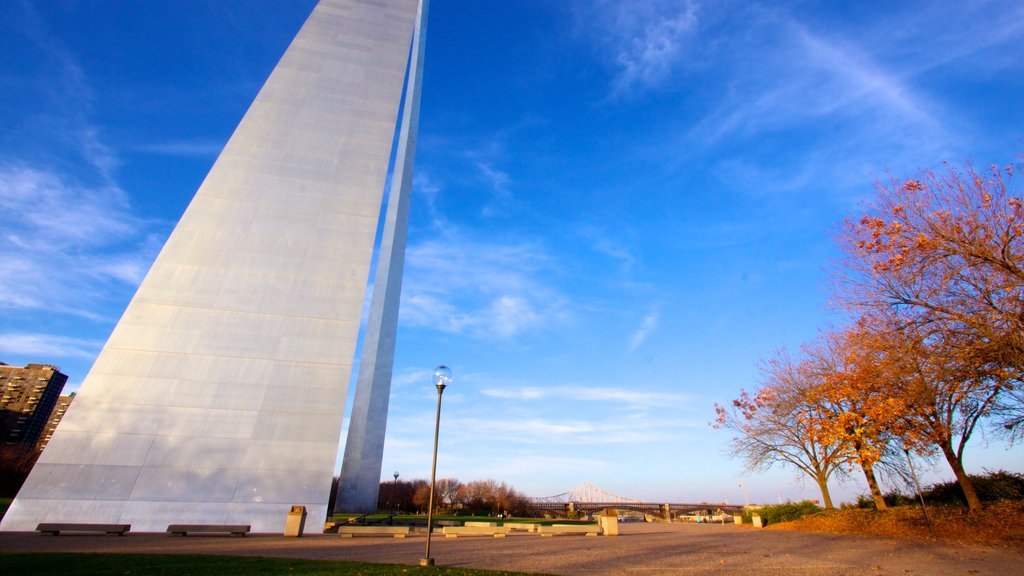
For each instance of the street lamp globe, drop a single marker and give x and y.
(442, 376)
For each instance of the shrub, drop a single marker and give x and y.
(990, 486)
(784, 512)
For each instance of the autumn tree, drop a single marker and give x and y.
(943, 255)
(399, 495)
(854, 392)
(775, 425)
(492, 497)
(448, 492)
(945, 396)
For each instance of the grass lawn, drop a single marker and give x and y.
(39, 564)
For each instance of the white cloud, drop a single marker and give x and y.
(64, 247)
(428, 189)
(644, 41)
(71, 96)
(497, 181)
(792, 76)
(621, 396)
(538, 430)
(482, 289)
(199, 148)
(614, 245)
(48, 346)
(649, 324)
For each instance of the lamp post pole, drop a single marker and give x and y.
(442, 377)
(394, 493)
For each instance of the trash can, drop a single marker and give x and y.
(296, 522)
(609, 520)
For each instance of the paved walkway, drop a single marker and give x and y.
(659, 549)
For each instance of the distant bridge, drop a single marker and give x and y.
(588, 498)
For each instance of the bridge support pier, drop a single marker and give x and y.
(570, 510)
(666, 512)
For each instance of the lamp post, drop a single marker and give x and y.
(442, 377)
(394, 493)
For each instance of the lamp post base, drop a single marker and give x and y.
(426, 561)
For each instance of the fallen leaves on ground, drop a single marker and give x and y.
(996, 524)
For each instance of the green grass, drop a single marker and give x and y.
(44, 564)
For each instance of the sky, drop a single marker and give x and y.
(619, 208)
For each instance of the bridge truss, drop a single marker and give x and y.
(587, 498)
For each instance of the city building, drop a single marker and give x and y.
(58, 412)
(27, 397)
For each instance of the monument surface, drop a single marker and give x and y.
(364, 449)
(218, 398)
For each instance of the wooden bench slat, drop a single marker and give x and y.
(55, 528)
(185, 529)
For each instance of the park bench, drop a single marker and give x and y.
(492, 530)
(555, 529)
(55, 528)
(396, 531)
(528, 526)
(185, 529)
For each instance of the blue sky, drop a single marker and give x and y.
(619, 207)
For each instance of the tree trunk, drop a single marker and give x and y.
(823, 486)
(973, 502)
(876, 493)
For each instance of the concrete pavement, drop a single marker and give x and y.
(661, 549)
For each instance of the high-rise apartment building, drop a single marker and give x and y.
(27, 397)
(58, 412)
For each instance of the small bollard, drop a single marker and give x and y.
(609, 521)
(756, 521)
(296, 522)
(737, 519)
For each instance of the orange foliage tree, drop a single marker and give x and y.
(854, 391)
(775, 425)
(944, 253)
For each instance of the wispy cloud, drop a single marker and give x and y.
(615, 245)
(647, 326)
(35, 345)
(71, 96)
(497, 182)
(643, 41)
(622, 396)
(184, 148)
(427, 188)
(70, 241)
(480, 288)
(64, 247)
(811, 77)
